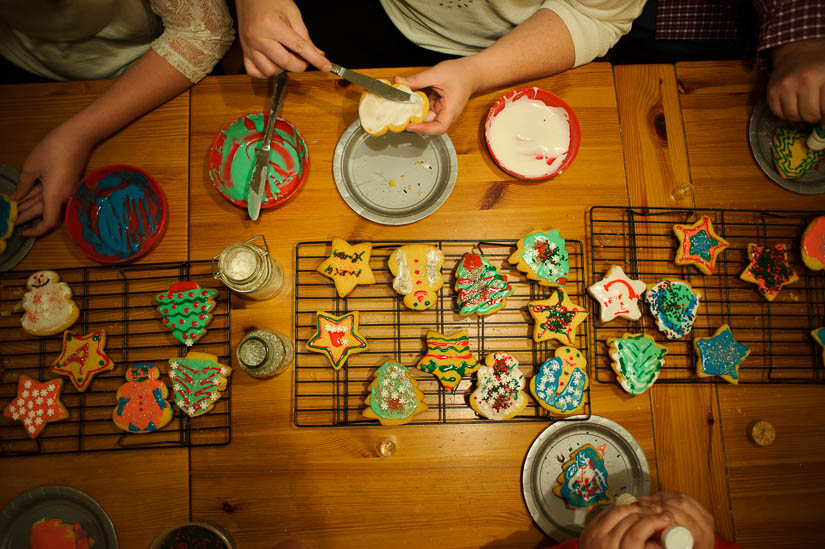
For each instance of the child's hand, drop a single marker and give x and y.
(687, 512)
(625, 527)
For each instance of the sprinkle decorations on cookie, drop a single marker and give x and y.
(720, 355)
(699, 245)
(48, 304)
(480, 285)
(637, 360)
(141, 401)
(556, 317)
(541, 255)
(618, 295)
(348, 265)
(819, 337)
(813, 244)
(583, 482)
(82, 358)
(337, 337)
(417, 272)
(448, 358)
(769, 269)
(394, 396)
(8, 215)
(791, 155)
(36, 404)
(198, 381)
(185, 309)
(561, 382)
(499, 392)
(673, 304)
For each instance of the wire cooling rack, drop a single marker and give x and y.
(641, 240)
(326, 397)
(120, 300)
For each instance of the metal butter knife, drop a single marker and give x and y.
(261, 170)
(372, 85)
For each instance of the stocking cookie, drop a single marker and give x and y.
(448, 358)
(185, 309)
(36, 404)
(583, 482)
(82, 358)
(198, 382)
(769, 269)
(618, 295)
(637, 360)
(699, 245)
(8, 215)
(417, 272)
(499, 392)
(480, 285)
(813, 244)
(556, 318)
(673, 304)
(394, 396)
(541, 255)
(348, 265)
(48, 304)
(337, 337)
(141, 401)
(561, 382)
(720, 355)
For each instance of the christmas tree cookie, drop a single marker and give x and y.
(637, 360)
(769, 269)
(82, 358)
(198, 381)
(417, 272)
(673, 304)
(36, 404)
(541, 255)
(448, 358)
(348, 265)
(185, 309)
(141, 401)
(499, 392)
(791, 155)
(48, 304)
(813, 244)
(561, 382)
(480, 285)
(8, 215)
(618, 295)
(394, 396)
(583, 482)
(556, 318)
(337, 337)
(699, 245)
(720, 355)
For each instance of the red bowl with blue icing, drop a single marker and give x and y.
(232, 160)
(117, 214)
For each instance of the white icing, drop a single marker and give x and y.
(618, 295)
(376, 113)
(434, 257)
(48, 304)
(402, 283)
(526, 135)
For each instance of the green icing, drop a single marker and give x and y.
(638, 360)
(197, 383)
(544, 253)
(481, 286)
(392, 394)
(701, 244)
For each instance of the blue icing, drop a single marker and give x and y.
(819, 335)
(585, 480)
(5, 215)
(546, 384)
(701, 244)
(721, 354)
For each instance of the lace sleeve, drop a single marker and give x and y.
(196, 35)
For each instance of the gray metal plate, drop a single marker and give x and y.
(762, 126)
(394, 179)
(627, 471)
(55, 502)
(17, 246)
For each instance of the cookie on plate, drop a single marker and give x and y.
(394, 396)
(561, 382)
(499, 390)
(618, 295)
(637, 360)
(769, 269)
(481, 287)
(8, 215)
(813, 244)
(141, 401)
(448, 358)
(185, 309)
(673, 304)
(720, 355)
(583, 482)
(791, 155)
(417, 272)
(36, 404)
(699, 245)
(337, 337)
(82, 358)
(556, 317)
(348, 265)
(543, 257)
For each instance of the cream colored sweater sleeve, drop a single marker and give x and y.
(196, 35)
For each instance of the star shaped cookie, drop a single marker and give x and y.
(720, 355)
(448, 357)
(769, 269)
(819, 337)
(36, 404)
(337, 337)
(82, 358)
(699, 245)
(556, 318)
(348, 265)
(618, 295)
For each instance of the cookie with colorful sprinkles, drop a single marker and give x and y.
(481, 287)
(673, 304)
(348, 265)
(199, 381)
(636, 360)
(543, 257)
(185, 309)
(36, 404)
(769, 269)
(699, 245)
(82, 358)
(394, 398)
(448, 358)
(556, 317)
(561, 383)
(720, 355)
(813, 244)
(583, 482)
(499, 390)
(337, 337)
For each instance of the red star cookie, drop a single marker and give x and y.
(337, 337)
(36, 404)
(82, 358)
(769, 269)
(556, 318)
(699, 244)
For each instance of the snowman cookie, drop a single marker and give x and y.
(417, 271)
(48, 304)
(500, 391)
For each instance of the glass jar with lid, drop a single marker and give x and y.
(264, 353)
(248, 269)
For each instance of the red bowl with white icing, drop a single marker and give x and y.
(532, 134)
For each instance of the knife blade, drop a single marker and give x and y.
(373, 85)
(261, 171)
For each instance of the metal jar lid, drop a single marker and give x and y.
(243, 267)
(262, 353)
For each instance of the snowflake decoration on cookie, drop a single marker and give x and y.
(769, 269)
(394, 396)
(561, 383)
(543, 257)
(673, 304)
(556, 318)
(195, 385)
(720, 355)
(699, 245)
(337, 337)
(82, 358)
(35, 415)
(348, 265)
(618, 295)
(499, 393)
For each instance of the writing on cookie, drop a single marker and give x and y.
(618, 295)
(348, 265)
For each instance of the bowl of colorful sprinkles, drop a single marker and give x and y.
(194, 534)
(232, 160)
(532, 134)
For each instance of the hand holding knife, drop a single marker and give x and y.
(261, 171)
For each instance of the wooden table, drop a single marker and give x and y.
(449, 485)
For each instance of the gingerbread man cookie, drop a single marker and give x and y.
(499, 392)
(337, 337)
(394, 396)
(82, 358)
(36, 404)
(699, 245)
(583, 482)
(618, 295)
(561, 382)
(348, 265)
(556, 317)
(199, 380)
(542, 256)
(720, 355)
(48, 304)
(480, 285)
(769, 269)
(141, 401)
(448, 358)
(417, 272)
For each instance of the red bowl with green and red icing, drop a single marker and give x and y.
(232, 160)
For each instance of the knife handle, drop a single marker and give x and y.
(278, 85)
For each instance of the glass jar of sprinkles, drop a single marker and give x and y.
(249, 269)
(262, 353)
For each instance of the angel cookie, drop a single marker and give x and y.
(417, 271)
(618, 295)
(699, 245)
(561, 382)
(348, 265)
(48, 304)
(82, 358)
(720, 355)
(394, 396)
(36, 404)
(637, 360)
(198, 382)
(813, 244)
(141, 401)
(499, 392)
(8, 215)
(583, 482)
(185, 309)
(448, 358)
(480, 285)
(542, 256)
(769, 269)
(556, 318)
(673, 304)
(337, 337)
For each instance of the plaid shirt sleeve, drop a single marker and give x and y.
(786, 21)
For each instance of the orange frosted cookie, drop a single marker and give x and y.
(813, 244)
(82, 358)
(36, 404)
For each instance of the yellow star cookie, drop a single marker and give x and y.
(448, 357)
(348, 265)
(417, 271)
(82, 358)
(556, 318)
(337, 337)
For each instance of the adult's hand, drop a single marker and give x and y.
(625, 527)
(449, 86)
(687, 512)
(274, 38)
(796, 89)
